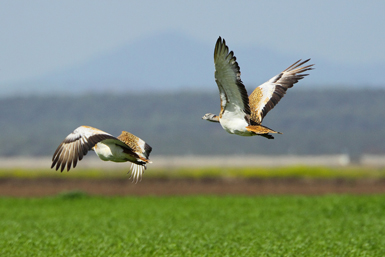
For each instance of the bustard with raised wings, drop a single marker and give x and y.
(240, 114)
(124, 148)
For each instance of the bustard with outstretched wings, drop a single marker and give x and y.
(240, 114)
(124, 148)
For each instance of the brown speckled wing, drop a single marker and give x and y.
(136, 145)
(130, 140)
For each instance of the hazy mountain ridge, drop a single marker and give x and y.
(172, 61)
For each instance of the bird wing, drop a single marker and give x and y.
(137, 145)
(267, 95)
(232, 92)
(77, 144)
(139, 150)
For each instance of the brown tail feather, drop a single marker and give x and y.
(262, 131)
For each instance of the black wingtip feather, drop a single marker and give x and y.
(147, 149)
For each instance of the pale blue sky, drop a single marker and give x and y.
(38, 37)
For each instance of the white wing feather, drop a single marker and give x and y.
(76, 145)
(267, 95)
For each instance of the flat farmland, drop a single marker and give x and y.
(188, 209)
(195, 181)
(195, 175)
(38, 187)
(75, 224)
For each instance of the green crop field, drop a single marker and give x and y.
(74, 224)
(349, 172)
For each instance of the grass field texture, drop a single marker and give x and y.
(349, 172)
(74, 224)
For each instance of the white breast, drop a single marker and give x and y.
(109, 152)
(234, 124)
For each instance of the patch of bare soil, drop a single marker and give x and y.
(119, 187)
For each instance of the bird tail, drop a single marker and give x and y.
(262, 131)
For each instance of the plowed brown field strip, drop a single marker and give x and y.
(50, 186)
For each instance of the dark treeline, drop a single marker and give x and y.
(312, 122)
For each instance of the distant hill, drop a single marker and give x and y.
(312, 122)
(172, 61)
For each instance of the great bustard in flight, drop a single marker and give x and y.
(240, 114)
(123, 148)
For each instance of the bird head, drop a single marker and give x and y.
(211, 117)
